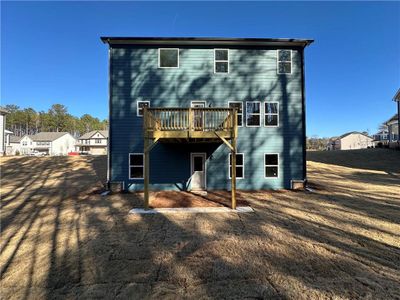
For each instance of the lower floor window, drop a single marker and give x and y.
(271, 164)
(136, 166)
(239, 165)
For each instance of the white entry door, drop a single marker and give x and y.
(198, 170)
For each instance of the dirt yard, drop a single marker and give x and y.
(60, 238)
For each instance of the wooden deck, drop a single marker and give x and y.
(189, 123)
(195, 124)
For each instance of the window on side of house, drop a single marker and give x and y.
(239, 165)
(139, 107)
(284, 58)
(221, 61)
(271, 165)
(136, 166)
(168, 58)
(271, 114)
(97, 141)
(239, 109)
(253, 113)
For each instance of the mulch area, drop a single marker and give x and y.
(172, 199)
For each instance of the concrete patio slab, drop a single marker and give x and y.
(173, 210)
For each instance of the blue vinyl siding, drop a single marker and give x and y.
(135, 76)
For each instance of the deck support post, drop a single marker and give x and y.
(146, 158)
(233, 177)
(146, 173)
(233, 157)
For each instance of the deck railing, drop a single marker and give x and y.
(189, 119)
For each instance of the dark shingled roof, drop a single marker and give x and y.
(206, 41)
(397, 96)
(47, 136)
(88, 135)
(15, 139)
(394, 118)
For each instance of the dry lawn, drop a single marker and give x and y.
(61, 239)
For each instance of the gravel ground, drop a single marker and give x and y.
(61, 239)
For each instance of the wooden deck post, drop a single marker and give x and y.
(233, 157)
(146, 158)
(146, 175)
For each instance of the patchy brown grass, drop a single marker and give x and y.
(62, 239)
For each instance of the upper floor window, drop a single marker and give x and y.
(97, 141)
(168, 58)
(271, 114)
(221, 61)
(139, 108)
(253, 113)
(239, 109)
(284, 58)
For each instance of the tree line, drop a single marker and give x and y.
(23, 121)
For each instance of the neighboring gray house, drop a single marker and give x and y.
(3, 114)
(394, 124)
(381, 138)
(351, 141)
(51, 143)
(93, 142)
(393, 130)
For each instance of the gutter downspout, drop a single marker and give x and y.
(398, 124)
(303, 108)
(109, 120)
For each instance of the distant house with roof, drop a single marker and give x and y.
(393, 129)
(53, 143)
(381, 138)
(351, 141)
(3, 114)
(48, 143)
(13, 145)
(94, 142)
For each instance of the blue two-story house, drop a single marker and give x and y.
(206, 113)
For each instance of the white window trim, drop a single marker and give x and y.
(291, 62)
(242, 113)
(159, 61)
(194, 102)
(266, 113)
(129, 166)
(278, 165)
(260, 113)
(215, 62)
(229, 166)
(137, 107)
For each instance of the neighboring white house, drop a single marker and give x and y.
(49, 143)
(93, 142)
(13, 145)
(53, 143)
(350, 141)
(3, 113)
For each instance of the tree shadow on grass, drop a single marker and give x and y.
(80, 245)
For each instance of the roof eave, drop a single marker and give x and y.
(397, 96)
(206, 41)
